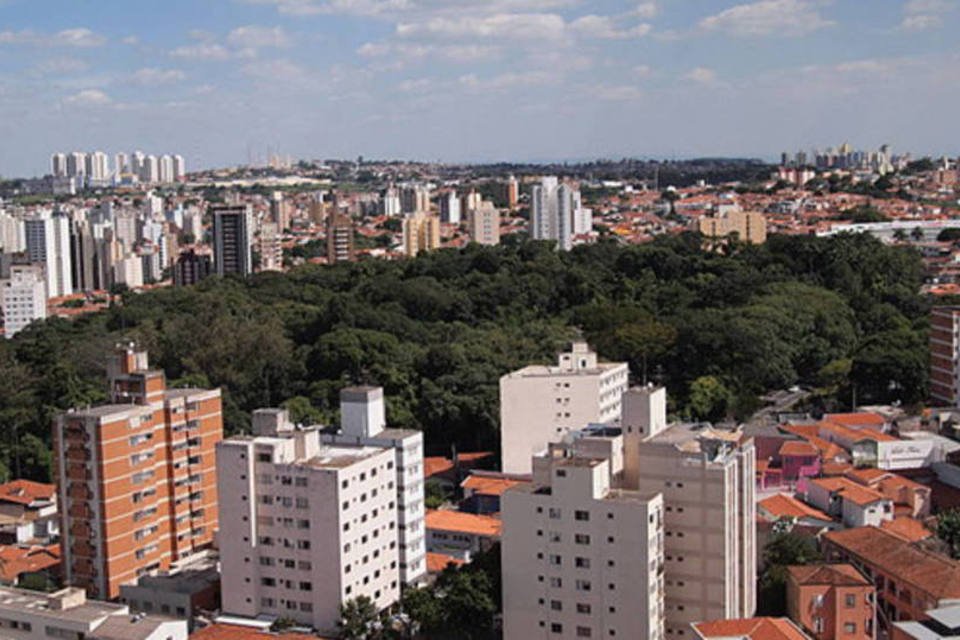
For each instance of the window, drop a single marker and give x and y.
(554, 513)
(582, 585)
(582, 563)
(556, 560)
(561, 473)
(851, 600)
(264, 457)
(556, 605)
(556, 583)
(556, 627)
(583, 632)
(583, 516)
(581, 538)
(850, 627)
(583, 607)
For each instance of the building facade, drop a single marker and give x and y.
(539, 404)
(421, 232)
(749, 226)
(48, 243)
(136, 478)
(944, 352)
(483, 224)
(832, 602)
(340, 238)
(23, 298)
(232, 240)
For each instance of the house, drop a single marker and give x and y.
(855, 504)
(482, 490)
(782, 461)
(781, 506)
(831, 601)
(749, 629)
(910, 498)
(460, 534)
(221, 631)
(33, 566)
(28, 513)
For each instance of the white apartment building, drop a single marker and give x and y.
(483, 224)
(450, 207)
(34, 615)
(48, 242)
(305, 526)
(179, 167)
(557, 213)
(540, 404)
(581, 557)
(363, 422)
(707, 479)
(23, 298)
(12, 237)
(165, 166)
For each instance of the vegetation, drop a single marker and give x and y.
(783, 549)
(437, 332)
(948, 531)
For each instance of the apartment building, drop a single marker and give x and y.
(340, 238)
(34, 615)
(749, 226)
(363, 422)
(707, 479)
(306, 524)
(944, 352)
(232, 239)
(483, 224)
(832, 602)
(540, 404)
(421, 232)
(581, 557)
(270, 247)
(135, 478)
(23, 298)
(909, 579)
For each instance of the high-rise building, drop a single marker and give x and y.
(414, 198)
(136, 478)
(305, 526)
(270, 247)
(339, 238)
(136, 163)
(513, 193)
(98, 168)
(421, 232)
(539, 404)
(76, 164)
(707, 479)
(48, 243)
(279, 211)
(85, 264)
(179, 168)
(232, 237)
(483, 224)
(165, 166)
(470, 200)
(749, 226)
(191, 268)
(12, 233)
(582, 555)
(23, 298)
(58, 165)
(150, 169)
(945, 355)
(450, 207)
(121, 163)
(390, 202)
(557, 213)
(363, 423)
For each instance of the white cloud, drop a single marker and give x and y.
(413, 86)
(280, 70)
(131, 40)
(153, 76)
(505, 26)
(203, 51)
(78, 37)
(924, 15)
(508, 80)
(767, 17)
(862, 66)
(616, 93)
(57, 66)
(642, 71)
(702, 75)
(89, 98)
(256, 37)
(646, 10)
(406, 52)
(604, 27)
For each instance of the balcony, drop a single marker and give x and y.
(80, 511)
(78, 491)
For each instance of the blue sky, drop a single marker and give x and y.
(474, 80)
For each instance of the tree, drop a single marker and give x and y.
(917, 234)
(951, 234)
(784, 549)
(709, 398)
(359, 619)
(948, 530)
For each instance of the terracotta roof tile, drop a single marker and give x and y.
(798, 448)
(26, 491)
(237, 632)
(780, 506)
(910, 529)
(490, 485)
(753, 628)
(839, 575)
(444, 520)
(858, 419)
(437, 562)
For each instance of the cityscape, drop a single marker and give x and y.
(423, 320)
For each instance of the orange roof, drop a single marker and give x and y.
(753, 628)
(867, 475)
(835, 468)
(854, 434)
(15, 561)
(858, 419)
(784, 506)
(797, 448)
(26, 491)
(935, 574)
(490, 485)
(459, 521)
(840, 575)
(237, 632)
(435, 465)
(850, 490)
(437, 562)
(910, 529)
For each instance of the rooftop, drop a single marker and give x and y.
(85, 611)
(237, 632)
(26, 492)
(437, 562)
(750, 629)
(838, 575)
(129, 627)
(445, 520)
(926, 571)
(489, 484)
(784, 506)
(333, 457)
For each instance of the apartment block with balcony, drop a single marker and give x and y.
(136, 480)
(540, 404)
(945, 355)
(305, 525)
(832, 602)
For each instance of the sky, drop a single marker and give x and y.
(225, 81)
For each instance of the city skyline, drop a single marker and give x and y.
(490, 81)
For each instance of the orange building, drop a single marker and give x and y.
(944, 346)
(136, 478)
(831, 602)
(909, 579)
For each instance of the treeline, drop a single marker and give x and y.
(438, 331)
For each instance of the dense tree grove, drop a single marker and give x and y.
(437, 332)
